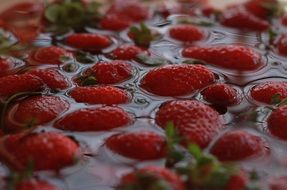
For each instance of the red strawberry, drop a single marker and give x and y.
(108, 72)
(221, 94)
(13, 84)
(195, 121)
(186, 33)
(95, 119)
(278, 183)
(87, 41)
(47, 151)
(7, 66)
(100, 95)
(281, 44)
(51, 77)
(239, 145)
(177, 80)
(140, 145)
(284, 20)
(237, 182)
(48, 55)
(115, 22)
(227, 56)
(127, 52)
(265, 92)
(34, 110)
(153, 173)
(260, 8)
(277, 122)
(239, 17)
(35, 185)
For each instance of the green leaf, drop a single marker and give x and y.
(276, 98)
(88, 81)
(195, 151)
(193, 62)
(65, 59)
(84, 57)
(53, 12)
(152, 61)
(272, 34)
(142, 35)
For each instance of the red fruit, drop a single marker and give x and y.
(7, 66)
(237, 182)
(227, 56)
(278, 183)
(239, 17)
(35, 110)
(284, 20)
(87, 41)
(48, 55)
(47, 151)
(221, 94)
(35, 185)
(115, 22)
(140, 145)
(100, 95)
(127, 52)
(95, 119)
(239, 145)
(277, 122)
(177, 80)
(186, 33)
(259, 7)
(264, 92)
(281, 44)
(164, 174)
(195, 121)
(13, 84)
(52, 78)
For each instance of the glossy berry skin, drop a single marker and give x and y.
(7, 66)
(13, 84)
(34, 184)
(177, 80)
(127, 52)
(48, 55)
(239, 145)
(87, 41)
(115, 22)
(221, 94)
(195, 121)
(233, 57)
(95, 119)
(277, 122)
(33, 111)
(281, 44)
(257, 8)
(237, 182)
(100, 95)
(47, 151)
(186, 33)
(139, 145)
(264, 92)
(164, 174)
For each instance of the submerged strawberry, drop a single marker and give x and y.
(95, 119)
(7, 66)
(281, 44)
(186, 33)
(234, 57)
(195, 121)
(177, 80)
(100, 95)
(127, 52)
(34, 185)
(151, 177)
(277, 122)
(262, 8)
(115, 22)
(239, 145)
(151, 145)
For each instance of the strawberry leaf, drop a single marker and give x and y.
(151, 61)
(276, 98)
(84, 57)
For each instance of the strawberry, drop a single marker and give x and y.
(265, 92)
(106, 73)
(59, 150)
(195, 121)
(51, 77)
(7, 66)
(87, 41)
(237, 182)
(100, 95)
(281, 44)
(239, 145)
(48, 55)
(151, 177)
(115, 22)
(239, 17)
(234, 57)
(277, 122)
(284, 20)
(221, 94)
(95, 119)
(151, 145)
(127, 52)
(177, 80)
(278, 183)
(13, 84)
(186, 33)
(34, 111)
(262, 8)
(34, 185)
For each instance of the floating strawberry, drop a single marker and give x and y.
(234, 57)
(277, 122)
(195, 121)
(7, 65)
(151, 145)
(284, 20)
(100, 95)
(34, 111)
(35, 185)
(95, 119)
(186, 33)
(127, 52)
(281, 44)
(115, 22)
(48, 55)
(177, 80)
(221, 94)
(149, 178)
(239, 145)
(262, 8)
